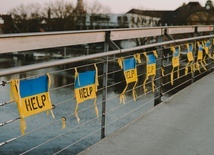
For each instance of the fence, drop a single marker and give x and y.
(163, 61)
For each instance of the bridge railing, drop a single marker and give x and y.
(116, 105)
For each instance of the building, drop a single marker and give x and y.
(80, 7)
(7, 25)
(187, 14)
(129, 20)
(78, 19)
(1, 24)
(95, 20)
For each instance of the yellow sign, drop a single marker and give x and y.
(131, 75)
(85, 93)
(190, 58)
(34, 105)
(150, 68)
(175, 56)
(175, 62)
(200, 55)
(199, 61)
(32, 96)
(207, 47)
(85, 88)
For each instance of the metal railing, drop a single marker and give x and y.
(45, 134)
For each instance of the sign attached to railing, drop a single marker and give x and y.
(32, 96)
(190, 58)
(150, 68)
(207, 48)
(200, 56)
(85, 86)
(130, 73)
(175, 62)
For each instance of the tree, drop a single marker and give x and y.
(26, 12)
(60, 9)
(60, 15)
(98, 13)
(96, 8)
(57, 16)
(27, 17)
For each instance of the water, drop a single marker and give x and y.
(52, 138)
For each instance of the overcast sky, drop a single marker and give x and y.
(116, 6)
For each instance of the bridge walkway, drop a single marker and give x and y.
(183, 124)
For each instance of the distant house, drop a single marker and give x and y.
(107, 21)
(103, 21)
(188, 14)
(1, 25)
(7, 25)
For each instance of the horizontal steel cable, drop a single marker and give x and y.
(105, 125)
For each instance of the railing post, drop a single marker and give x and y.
(104, 93)
(195, 58)
(194, 54)
(210, 61)
(212, 49)
(158, 81)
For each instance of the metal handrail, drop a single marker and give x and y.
(92, 56)
(33, 41)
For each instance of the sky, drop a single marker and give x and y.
(116, 6)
